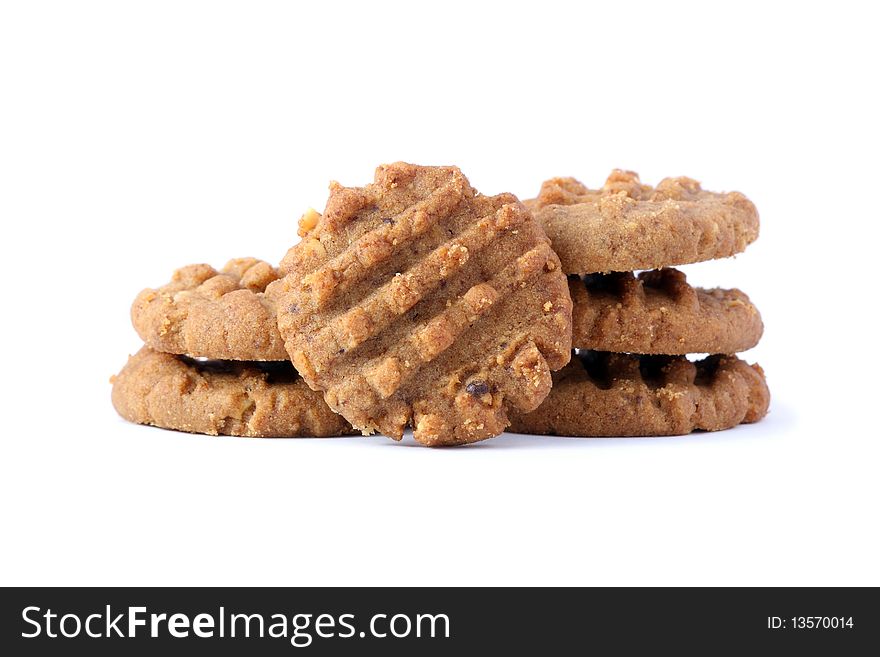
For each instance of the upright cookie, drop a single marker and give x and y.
(601, 394)
(237, 399)
(417, 300)
(657, 312)
(223, 315)
(627, 226)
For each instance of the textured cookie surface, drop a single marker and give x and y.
(223, 315)
(601, 394)
(657, 312)
(416, 300)
(230, 398)
(626, 226)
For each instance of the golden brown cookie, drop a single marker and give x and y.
(657, 312)
(601, 394)
(627, 226)
(416, 300)
(230, 398)
(223, 315)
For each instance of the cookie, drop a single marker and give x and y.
(223, 315)
(416, 300)
(226, 397)
(657, 312)
(627, 226)
(601, 394)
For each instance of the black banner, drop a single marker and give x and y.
(336, 621)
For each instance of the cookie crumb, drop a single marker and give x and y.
(307, 222)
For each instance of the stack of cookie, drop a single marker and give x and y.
(416, 301)
(632, 332)
(213, 361)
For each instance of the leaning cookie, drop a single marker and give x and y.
(416, 300)
(657, 312)
(626, 226)
(225, 315)
(237, 399)
(601, 394)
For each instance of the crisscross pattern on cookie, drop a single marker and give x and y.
(415, 300)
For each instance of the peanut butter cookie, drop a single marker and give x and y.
(223, 315)
(601, 394)
(225, 397)
(627, 226)
(416, 300)
(657, 312)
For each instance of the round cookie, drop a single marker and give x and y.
(627, 226)
(237, 399)
(223, 315)
(657, 312)
(601, 394)
(416, 300)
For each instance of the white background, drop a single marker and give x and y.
(138, 137)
